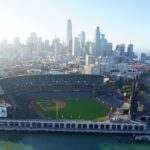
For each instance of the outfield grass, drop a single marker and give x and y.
(76, 109)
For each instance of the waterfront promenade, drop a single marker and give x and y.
(33, 125)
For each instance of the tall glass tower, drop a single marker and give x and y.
(69, 36)
(97, 42)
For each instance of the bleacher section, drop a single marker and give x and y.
(112, 101)
(25, 84)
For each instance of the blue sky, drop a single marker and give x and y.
(122, 21)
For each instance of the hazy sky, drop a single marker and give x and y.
(122, 21)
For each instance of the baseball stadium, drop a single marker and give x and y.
(55, 97)
(60, 103)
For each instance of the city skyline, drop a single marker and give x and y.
(121, 23)
(99, 46)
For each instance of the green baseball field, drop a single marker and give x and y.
(81, 109)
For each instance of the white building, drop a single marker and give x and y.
(3, 111)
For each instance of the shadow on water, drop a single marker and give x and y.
(67, 141)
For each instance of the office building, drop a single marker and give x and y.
(97, 42)
(69, 36)
(130, 52)
(76, 50)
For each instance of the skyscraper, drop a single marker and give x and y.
(89, 48)
(56, 46)
(120, 50)
(97, 42)
(16, 42)
(103, 45)
(17, 46)
(82, 37)
(82, 43)
(76, 51)
(109, 49)
(32, 41)
(130, 52)
(69, 36)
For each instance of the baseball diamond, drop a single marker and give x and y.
(81, 109)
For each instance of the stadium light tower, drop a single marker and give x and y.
(56, 110)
